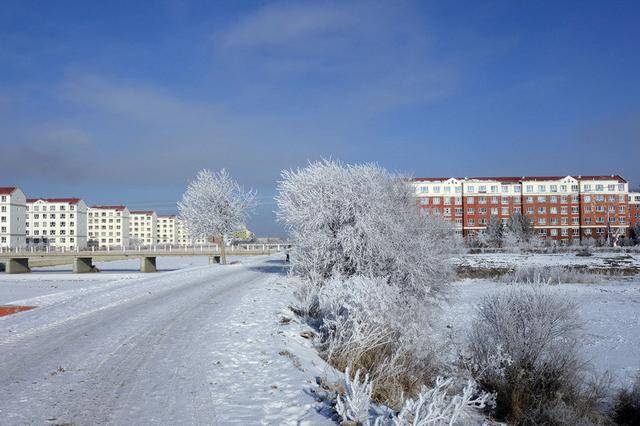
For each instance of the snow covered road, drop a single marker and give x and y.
(193, 346)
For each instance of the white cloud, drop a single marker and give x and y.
(285, 22)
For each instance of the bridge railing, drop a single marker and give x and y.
(159, 248)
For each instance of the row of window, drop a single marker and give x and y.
(105, 220)
(52, 224)
(105, 214)
(103, 227)
(50, 232)
(517, 189)
(52, 207)
(51, 216)
(49, 240)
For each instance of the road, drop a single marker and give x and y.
(193, 346)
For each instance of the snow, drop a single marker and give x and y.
(54, 279)
(196, 344)
(509, 260)
(611, 311)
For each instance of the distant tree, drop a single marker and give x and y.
(494, 231)
(214, 204)
(520, 226)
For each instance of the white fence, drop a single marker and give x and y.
(234, 248)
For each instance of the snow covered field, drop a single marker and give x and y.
(202, 344)
(598, 260)
(195, 344)
(611, 309)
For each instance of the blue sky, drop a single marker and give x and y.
(122, 102)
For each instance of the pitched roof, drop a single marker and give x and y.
(145, 212)
(504, 179)
(169, 216)
(55, 200)
(514, 179)
(6, 190)
(431, 179)
(109, 207)
(603, 177)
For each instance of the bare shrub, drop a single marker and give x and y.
(523, 346)
(539, 274)
(626, 409)
(371, 325)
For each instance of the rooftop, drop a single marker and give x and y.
(6, 190)
(120, 208)
(55, 200)
(514, 179)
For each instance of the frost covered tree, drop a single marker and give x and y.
(494, 231)
(372, 266)
(215, 205)
(520, 226)
(348, 220)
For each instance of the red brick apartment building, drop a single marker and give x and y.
(560, 207)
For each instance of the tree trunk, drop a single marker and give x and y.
(223, 251)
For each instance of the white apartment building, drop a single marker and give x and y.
(184, 238)
(108, 226)
(166, 232)
(13, 206)
(57, 222)
(143, 228)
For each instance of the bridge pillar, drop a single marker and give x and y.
(83, 265)
(17, 266)
(214, 259)
(148, 264)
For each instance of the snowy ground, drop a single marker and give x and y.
(195, 344)
(611, 309)
(598, 260)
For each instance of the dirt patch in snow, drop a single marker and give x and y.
(12, 309)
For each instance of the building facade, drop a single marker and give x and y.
(166, 232)
(143, 228)
(559, 207)
(13, 207)
(184, 237)
(634, 212)
(57, 222)
(108, 226)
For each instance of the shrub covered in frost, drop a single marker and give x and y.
(523, 346)
(372, 265)
(348, 220)
(433, 405)
(370, 324)
(539, 274)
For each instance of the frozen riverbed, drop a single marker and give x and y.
(195, 344)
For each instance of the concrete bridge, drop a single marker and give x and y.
(17, 261)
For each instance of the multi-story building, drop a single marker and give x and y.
(57, 222)
(184, 238)
(559, 207)
(143, 228)
(13, 206)
(108, 226)
(552, 203)
(484, 197)
(634, 212)
(443, 197)
(167, 232)
(604, 206)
